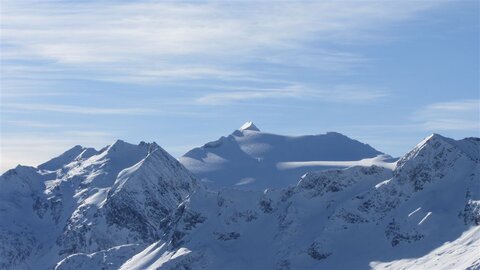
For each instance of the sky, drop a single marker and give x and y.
(182, 73)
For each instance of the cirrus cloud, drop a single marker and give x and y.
(451, 115)
(175, 39)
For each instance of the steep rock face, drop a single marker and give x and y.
(249, 159)
(331, 181)
(88, 201)
(20, 193)
(369, 214)
(436, 159)
(145, 194)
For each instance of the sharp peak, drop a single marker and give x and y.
(249, 126)
(76, 148)
(63, 159)
(121, 143)
(435, 136)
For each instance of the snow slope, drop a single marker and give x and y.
(423, 215)
(251, 159)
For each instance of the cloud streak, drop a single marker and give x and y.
(452, 115)
(166, 40)
(38, 107)
(31, 124)
(340, 93)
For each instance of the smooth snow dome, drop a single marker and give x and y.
(251, 159)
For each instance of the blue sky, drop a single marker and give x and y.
(388, 73)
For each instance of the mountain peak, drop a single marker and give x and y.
(123, 149)
(468, 146)
(119, 143)
(435, 136)
(430, 140)
(63, 159)
(249, 126)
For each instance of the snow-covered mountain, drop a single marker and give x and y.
(86, 201)
(250, 159)
(136, 207)
(425, 214)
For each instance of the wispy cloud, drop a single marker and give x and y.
(319, 59)
(470, 105)
(452, 115)
(48, 46)
(30, 124)
(77, 109)
(164, 39)
(240, 94)
(339, 93)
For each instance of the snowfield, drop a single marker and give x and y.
(346, 206)
(249, 159)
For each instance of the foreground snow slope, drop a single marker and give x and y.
(251, 159)
(423, 215)
(110, 201)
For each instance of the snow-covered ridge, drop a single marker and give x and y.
(132, 206)
(424, 214)
(77, 152)
(86, 201)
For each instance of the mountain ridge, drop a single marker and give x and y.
(73, 209)
(375, 217)
(135, 206)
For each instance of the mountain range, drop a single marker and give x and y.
(250, 200)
